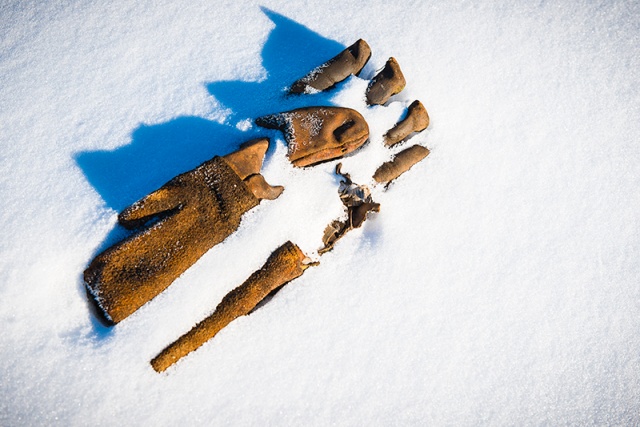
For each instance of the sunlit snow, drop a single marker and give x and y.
(498, 285)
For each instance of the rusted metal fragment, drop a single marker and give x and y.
(416, 120)
(261, 188)
(194, 211)
(283, 265)
(386, 83)
(318, 134)
(402, 162)
(349, 61)
(247, 160)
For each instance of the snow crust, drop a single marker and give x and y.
(499, 284)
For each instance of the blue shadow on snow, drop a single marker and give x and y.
(159, 152)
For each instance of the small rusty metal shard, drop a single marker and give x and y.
(196, 210)
(283, 265)
(386, 83)
(416, 120)
(402, 162)
(332, 234)
(349, 61)
(318, 134)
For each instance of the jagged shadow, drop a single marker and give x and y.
(156, 154)
(159, 152)
(290, 52)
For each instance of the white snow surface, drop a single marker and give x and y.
(498, 285)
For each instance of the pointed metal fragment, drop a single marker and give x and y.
(386, 83)
(349, 61)
(416, 120)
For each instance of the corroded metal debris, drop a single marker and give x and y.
(176, 224)
(388, 82)
(402, 162)
(194, 211)
(416, 120)
(349, 61)
(318, 134)
(358, 203)
(285, 264)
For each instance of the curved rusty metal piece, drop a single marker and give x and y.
(349, 61)
(318, 134)
(416, 120)
(386, 83)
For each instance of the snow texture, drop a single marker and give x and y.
(498, 285)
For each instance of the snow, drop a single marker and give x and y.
(497, 285)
